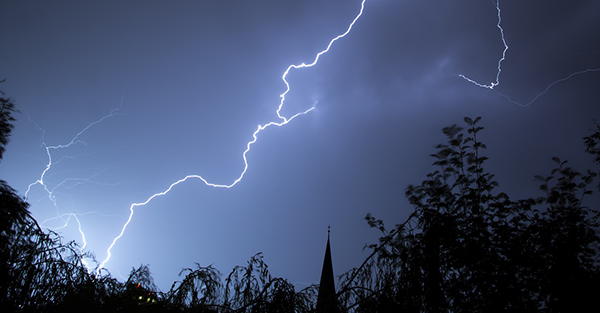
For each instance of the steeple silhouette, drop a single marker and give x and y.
(327, 301)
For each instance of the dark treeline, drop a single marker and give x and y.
(465, 248)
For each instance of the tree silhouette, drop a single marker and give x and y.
(7, 109)
(468, 248)
(38, 272)
(14, 208)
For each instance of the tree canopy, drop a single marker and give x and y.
(466, 247)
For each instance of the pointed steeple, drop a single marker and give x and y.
(327, 301)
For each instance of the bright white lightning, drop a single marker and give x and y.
(51, 191)
(65, 224)
(75, 140)
(79, 228)
(497, 82)
(248, 145)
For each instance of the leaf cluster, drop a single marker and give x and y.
(469, 248)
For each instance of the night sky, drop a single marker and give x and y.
(179, 87)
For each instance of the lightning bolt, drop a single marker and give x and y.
(74, 141)
(284, 121)
(66, 218)
(492, 85)
(51, 191)
(65, 224)
(281, 121)
(497, 82)
(589, 70)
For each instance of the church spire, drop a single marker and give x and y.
(327, 301)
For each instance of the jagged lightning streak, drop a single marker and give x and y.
(497, 82)
(248, 145)
(66, 223)
(74, 141)
(589, 70)
(51, 191)
(79, 228)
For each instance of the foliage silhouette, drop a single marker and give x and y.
(7, 109)
(38, 272)
(465, 248)
(468, 248)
